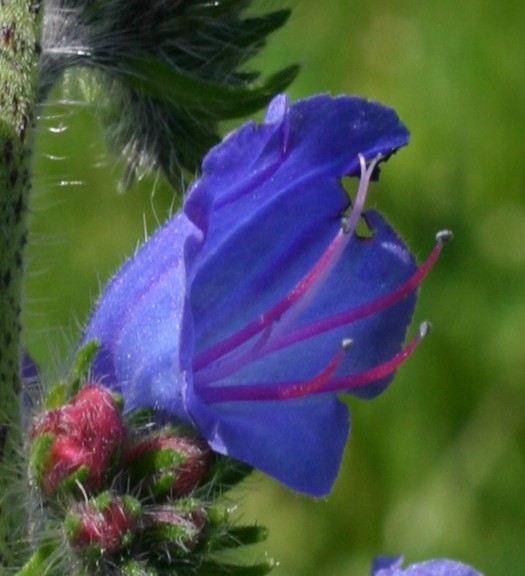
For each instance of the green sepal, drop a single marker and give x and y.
(57, 395)
(218, 516)
(158, 466)
(225, 474)
(140, 418)
(180, 535)
(163, 485)
(134, 568)
(39, 455)
(82, 365)
(71, 484)
(61, 392)
(38, 464)
(172, 536)
(222, 535)
(156, 461)
(72, 525)
(132, 506)
(237, 536)
(104, 500)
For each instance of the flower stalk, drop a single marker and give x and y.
(18, 60)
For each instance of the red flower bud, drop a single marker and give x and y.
(78, 439)
(168, 464)
(102, 526)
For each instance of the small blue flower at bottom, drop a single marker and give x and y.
(392, 567)
(249, 311)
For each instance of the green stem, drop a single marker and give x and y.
(18, 69)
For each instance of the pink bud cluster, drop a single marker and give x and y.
(119, 489)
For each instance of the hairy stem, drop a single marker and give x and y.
(18, 70)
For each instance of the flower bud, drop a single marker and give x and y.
(76, 441)
(103, 525)
(175, 528)
(167, 464)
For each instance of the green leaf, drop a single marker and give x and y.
(211, 568)
(238, 536)
(169, 72)
(156, 79)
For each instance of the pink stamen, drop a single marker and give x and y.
(261, 347)
(234, 362)
(307, 287)
(373, 307)
(276, 391)
(321, 384)
(355, 381)
(317, 383)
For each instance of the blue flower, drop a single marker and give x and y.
(392, 567)
(248, 312)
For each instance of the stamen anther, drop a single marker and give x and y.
(345, 225)
(424, 329)
(367, 309)
(324, 382)
(347, 344)
(444, 236)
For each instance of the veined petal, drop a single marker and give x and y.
(384, 566)
(318, 136)
(143, 326)
(289, 181)
(369, 268)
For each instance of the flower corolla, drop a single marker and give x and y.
(261, 300)
(384, 566)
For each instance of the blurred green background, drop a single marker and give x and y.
(435, 466)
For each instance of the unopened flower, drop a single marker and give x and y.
(176, 528)
(76, 441)
(259, 302)
(444, 567)
(103, 525)
(167, 463)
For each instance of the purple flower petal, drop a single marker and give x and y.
(392, 567)
(246, 297)
(290, 179)
(369, 268)
(302, 446)
(143, 326)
